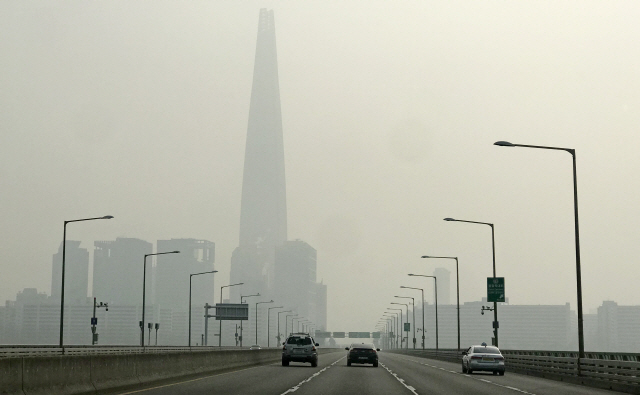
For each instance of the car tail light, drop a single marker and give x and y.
(313, 348)
(499, 358)
(284, 348)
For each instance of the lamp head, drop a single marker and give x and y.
(449, 219)
(504, 144)
(107, 217)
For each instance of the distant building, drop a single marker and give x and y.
(295, 276)
(618, 327)
(76, 283)
(117, 271)
(263, 210)
(444, 285)
(172, 287)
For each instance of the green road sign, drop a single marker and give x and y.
(407, 326)
(359, 335)
(495, 289)
(338, 335)
(375, 335)
(322, 335)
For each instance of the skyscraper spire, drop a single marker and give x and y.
(263, 216)
(263, 212)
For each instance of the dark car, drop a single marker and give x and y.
(299, 347)
(362, 353)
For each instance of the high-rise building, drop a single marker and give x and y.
(172, 275)
(117, 271)
(173, 270)
(444, 285)
(76, 278)
(295, 277)
(263, 215)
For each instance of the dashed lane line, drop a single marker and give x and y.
(410, 388)
(469, 376)
(297, 386)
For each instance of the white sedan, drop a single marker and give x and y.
(483, 358)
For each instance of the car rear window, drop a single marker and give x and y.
(486, 350)
(367, 346)
(299, 341)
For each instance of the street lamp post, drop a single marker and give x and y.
(577, 236)
(241, 302)
(413, 310)
(407, 306)
(64, 253)
(493, 247)
(423, 329)
(279, 338)
(435, 279)
(190, 278)
(269, 322)
(286, 323)
(220, 330)
(257, 303)
(457, 289)
(394, 317)
(144, 293)
(297, 329)
(399, 327)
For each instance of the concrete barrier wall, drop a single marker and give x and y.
(11, 376)
(89, 374)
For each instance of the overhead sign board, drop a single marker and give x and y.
(407, 326)
(338, 335)
(495, 289)
(232, 311)
(375, 335)
(359, 335)
(322, 335)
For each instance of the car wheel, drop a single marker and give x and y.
(314, 363)
(285, 362)
(464, 369)
(375, 364)
(495, 372)
(469, 370)
(348, 363)
(501, 373)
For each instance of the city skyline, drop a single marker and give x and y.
(391, 115)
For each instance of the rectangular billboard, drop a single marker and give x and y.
(232, 311)
(322, 335)
(338, 335)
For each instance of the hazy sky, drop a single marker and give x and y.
(390, 109)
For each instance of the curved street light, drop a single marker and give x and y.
(144, 293)
(457, 288)
(190, 278)
(577, 237)
(493, 247)
(64, 254)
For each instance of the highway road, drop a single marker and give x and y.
(397, 374)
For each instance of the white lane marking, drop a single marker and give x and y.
(410, 388)
(297, 386)
(471, 377)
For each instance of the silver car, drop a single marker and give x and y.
(483, 358)
(300, 347)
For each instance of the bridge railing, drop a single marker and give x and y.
(618, 371)
(32, 351)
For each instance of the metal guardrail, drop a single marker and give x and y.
(39, 351)
(621, 369)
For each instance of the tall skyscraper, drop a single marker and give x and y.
(263, 215)
(117, 271)
(76, 275)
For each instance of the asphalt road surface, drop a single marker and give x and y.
(397, 374)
